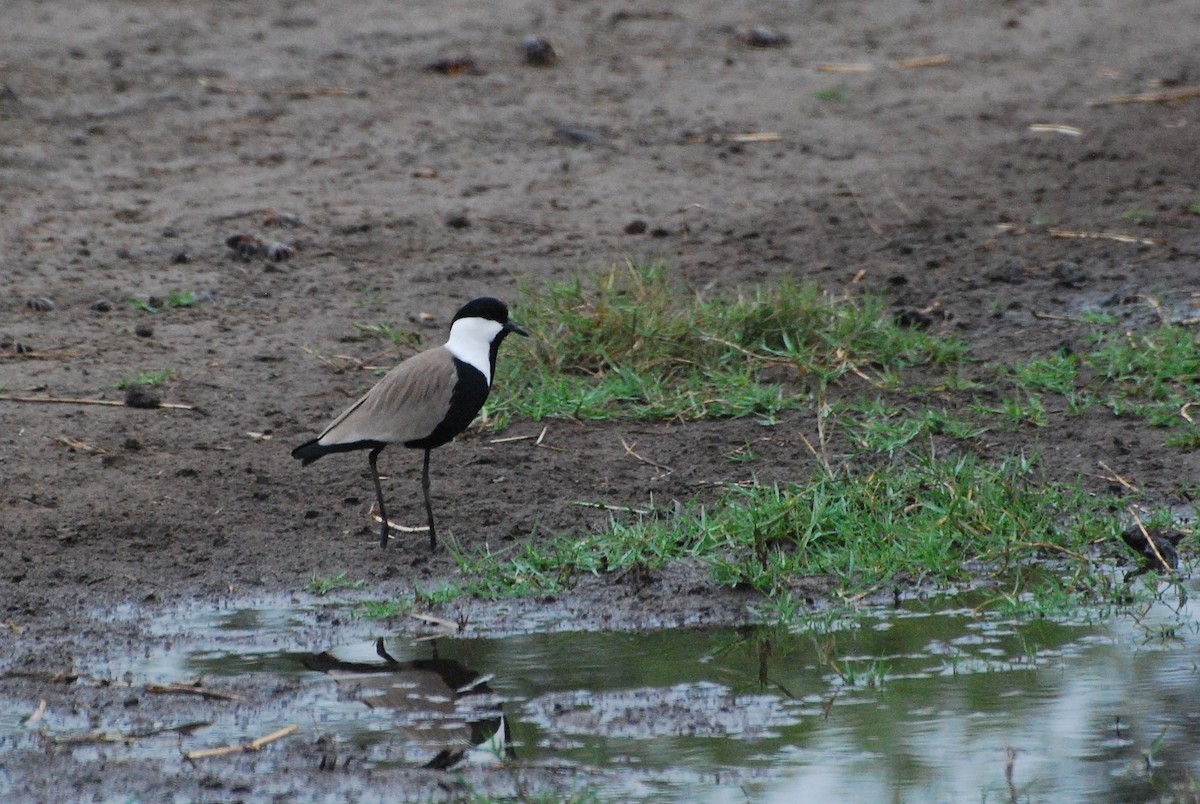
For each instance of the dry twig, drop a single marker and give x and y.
(189, 689)
(393, 526)
(1056, 128)
(1162, 96)
(875, 227)
(629, 451)
(936, 60)
(1162, 562)
(845, 67)
(1114, 236)
(241, 748)
(1116, 478)
(37, 713)
(429, 618)
(116, 403)
(82, 446)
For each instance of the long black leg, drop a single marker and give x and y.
(383, 529)
(428, 504)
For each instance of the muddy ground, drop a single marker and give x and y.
(136, 137)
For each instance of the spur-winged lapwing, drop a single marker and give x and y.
(425, 401)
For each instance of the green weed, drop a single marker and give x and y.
(147, 378)
(182, 298)
(323, 586)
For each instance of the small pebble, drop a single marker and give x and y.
(762, 36)
(580, 136)
(143, 331)
(40, 304)
(538, 52)
(281, 219)
(180, 258)
(636, 227)
(458, 221)
(278, 252)
(245, 246)
(101, 306)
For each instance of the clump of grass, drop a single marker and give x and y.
(633, 344)
(322, 586)
(147, 378)
(933, 519)
(1151, 375)
(882, 427)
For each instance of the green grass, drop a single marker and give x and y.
(879, 426)
(175, 299)
(1152, 375)
(835, 94)
(322, 586)
(633, 344)
(147, 378)
(937, 520)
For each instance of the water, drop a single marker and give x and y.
(929, 702)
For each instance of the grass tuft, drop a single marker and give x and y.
(322, 586)
(635, 344)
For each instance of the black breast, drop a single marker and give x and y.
(470, 392)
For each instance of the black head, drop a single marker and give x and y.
(490, 309)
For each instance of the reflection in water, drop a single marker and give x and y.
(437, 702)
(929, 701)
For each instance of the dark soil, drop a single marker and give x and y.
(137, 139)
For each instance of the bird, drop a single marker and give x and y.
(425, 401)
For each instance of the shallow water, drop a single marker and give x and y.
(927, 702)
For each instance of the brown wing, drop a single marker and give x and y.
(407, 404)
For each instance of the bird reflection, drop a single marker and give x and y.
(471, 720)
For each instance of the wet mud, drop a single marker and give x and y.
(262, 177)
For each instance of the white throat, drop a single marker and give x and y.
(471, 342)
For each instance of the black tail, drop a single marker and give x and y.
(310, 451)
